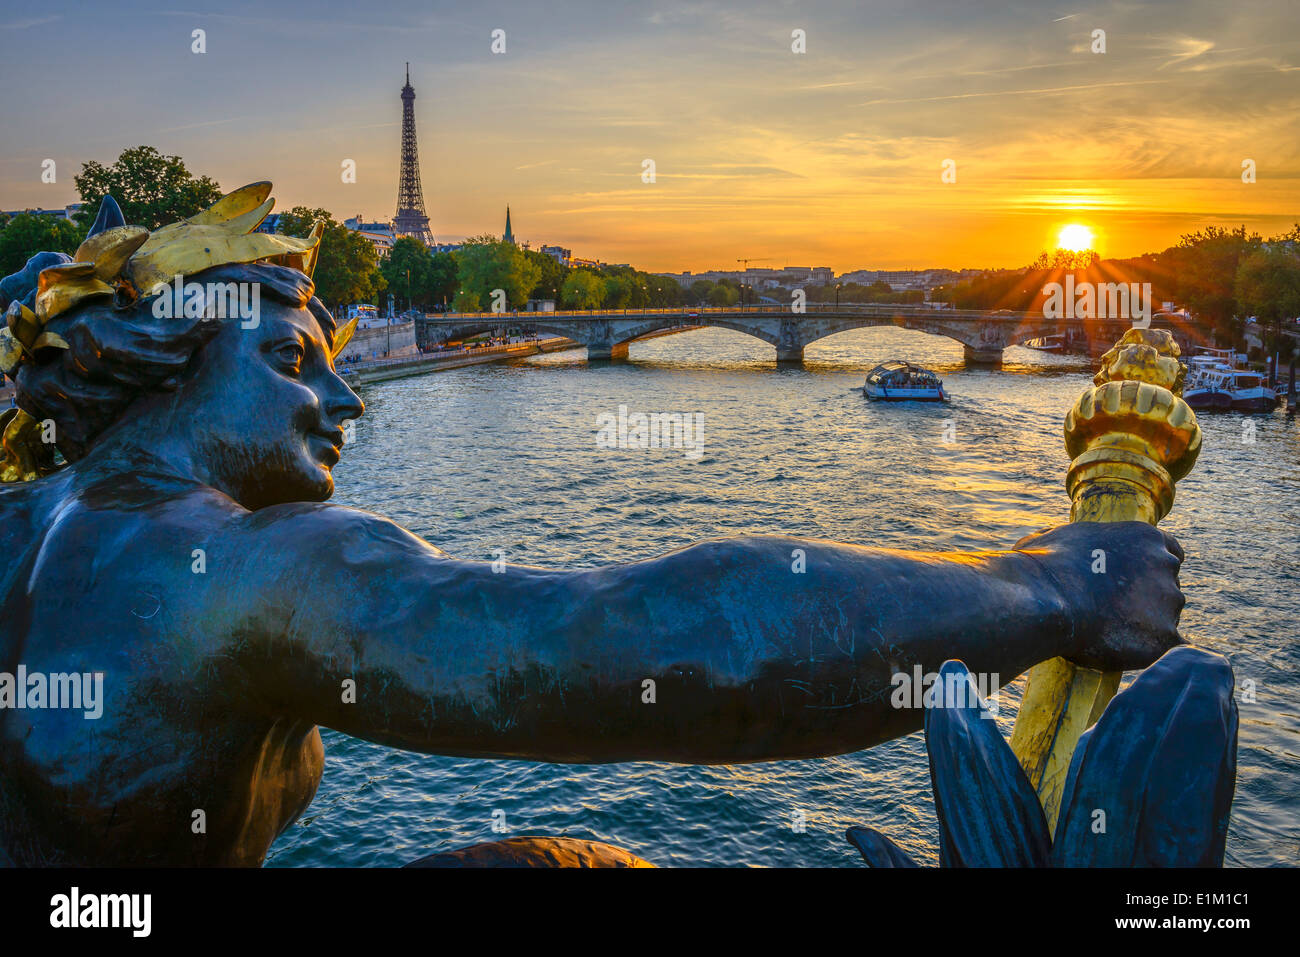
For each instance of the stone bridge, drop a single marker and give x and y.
(606, 333)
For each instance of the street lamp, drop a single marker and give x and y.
(837, 297)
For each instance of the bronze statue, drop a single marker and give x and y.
(185, 551)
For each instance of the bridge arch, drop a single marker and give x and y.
(851, 326)
(624, 336)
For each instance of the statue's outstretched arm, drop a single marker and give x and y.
(741, 650)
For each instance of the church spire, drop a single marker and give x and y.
(509, 236)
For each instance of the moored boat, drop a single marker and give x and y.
(898, 381)
(1214, 385)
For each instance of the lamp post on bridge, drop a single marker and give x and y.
(837, 297)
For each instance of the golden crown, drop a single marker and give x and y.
(128, 262)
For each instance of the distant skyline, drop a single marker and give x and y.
(831, 157)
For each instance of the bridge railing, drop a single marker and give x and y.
(866, 309)
(457, 353)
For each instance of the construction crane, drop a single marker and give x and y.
(747, 262)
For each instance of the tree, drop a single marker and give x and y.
(553, 275)
(466, 301)
(152, 189)
(723, 294)
(1205, 265)
(583, 290)
(1268, 287)
(442, 277)
(1065, 259)
(26, 235)
(485, 263)
(623, 292)
(665, 291)
(408, 271)
(347, 269)
(698, 294)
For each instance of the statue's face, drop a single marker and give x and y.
(272, 409)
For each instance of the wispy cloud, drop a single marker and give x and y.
(31, 22)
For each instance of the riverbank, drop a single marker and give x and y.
(380, 370)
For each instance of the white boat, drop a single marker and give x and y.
(1215, 384)
(1054, 343)
(898, 381)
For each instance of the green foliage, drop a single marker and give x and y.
(698, 293)
(623, 291)
(416, 277)
(152, 189)
(442, 278)
(552, 276)
(485, 263)
(26, 235)
(723, 294)
(347, 269)
(583, 290)
(663, 291)
(853, 292)
(1205, 264)
(466, 301)
(629, 288)
(1268, 286)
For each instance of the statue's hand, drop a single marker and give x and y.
(1120, 581)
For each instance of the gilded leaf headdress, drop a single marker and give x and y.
(127, 263)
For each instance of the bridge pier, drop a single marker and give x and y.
(603, 351)
(982, 356)
(789, 355)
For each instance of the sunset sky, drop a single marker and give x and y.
(832, 157)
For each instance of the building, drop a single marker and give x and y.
(559, 254)
(509, 235)
(67, 212)
(380, 235)
(756, 277)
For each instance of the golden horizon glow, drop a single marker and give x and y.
(1075, 237)
(959, 136)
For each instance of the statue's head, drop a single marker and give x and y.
(228, 369)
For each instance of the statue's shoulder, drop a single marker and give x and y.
(325, 529)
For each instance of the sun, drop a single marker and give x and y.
(1075, 237)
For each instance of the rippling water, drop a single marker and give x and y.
(504, 457)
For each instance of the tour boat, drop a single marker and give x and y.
(1054, 343)
(898, 381)
(1213, 384)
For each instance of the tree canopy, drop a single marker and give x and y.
(583, 290)
(347, 269)
(152, 189)
(485, 263)
(417, 278)
(26, 235)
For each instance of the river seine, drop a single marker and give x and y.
(504, 459)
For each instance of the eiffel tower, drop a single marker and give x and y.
(411, 219)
